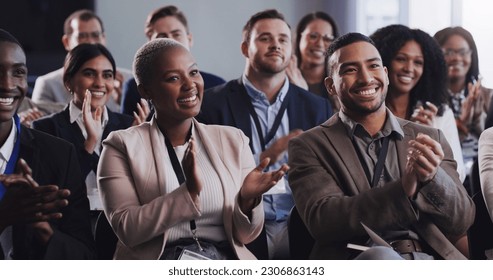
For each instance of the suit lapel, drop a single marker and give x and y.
(337, 136)
(29, 153)
(237, 99)
(70, 130)
(158, 154)
(113, 124)
(294, 110)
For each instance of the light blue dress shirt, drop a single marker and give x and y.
(276, 206)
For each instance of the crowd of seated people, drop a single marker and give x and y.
(362, 137)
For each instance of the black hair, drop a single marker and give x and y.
(341, 42)
(432, 86)
(443, 35)
(80, 55)
(307, 19)
(5, 36)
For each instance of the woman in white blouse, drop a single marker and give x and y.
(418, 82)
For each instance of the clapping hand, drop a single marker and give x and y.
(277, 149)
(26, 202)
(92, 123)
(425, 115)
(473, 90)
(294, 74)
(142, 112)
(258, 182)
(191, 170)
(424, 158)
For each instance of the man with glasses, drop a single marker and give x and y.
(82, 26)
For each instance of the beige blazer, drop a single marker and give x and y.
(333, 195)
(130, 173)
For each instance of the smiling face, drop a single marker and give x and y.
(176, 88)
(457, 56)
(406, 68)
(13, 79)
(359, 79)
(315, 40)
(269, 49)
(96, 75)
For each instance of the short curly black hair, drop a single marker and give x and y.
(432, 86)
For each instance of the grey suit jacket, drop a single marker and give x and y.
(333, 195)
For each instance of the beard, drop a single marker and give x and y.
(270, 67)
(353, 107)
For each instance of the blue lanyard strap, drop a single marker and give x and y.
(15, 154)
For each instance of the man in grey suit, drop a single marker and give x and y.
(81, 27)
(366, 166)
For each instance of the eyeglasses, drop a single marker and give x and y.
(459, 52)
(315, 36)
(86, 35)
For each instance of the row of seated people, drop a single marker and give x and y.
(128, 200)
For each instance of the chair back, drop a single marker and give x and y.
(300, 240)
(481, 232)
(105, 238)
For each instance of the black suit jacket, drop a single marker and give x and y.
(59, 125)
(54, 161)
(225, 105)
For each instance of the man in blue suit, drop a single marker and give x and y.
(270, 111)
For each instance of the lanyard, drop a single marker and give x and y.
(181, 178)
(15, 154)
(377, 171)
(275, 126)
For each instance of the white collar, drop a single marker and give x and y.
(76, 114)
(8, 147)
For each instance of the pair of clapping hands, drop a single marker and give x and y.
(93, 125)
(256, 183)
(423, 159)
(26, 202)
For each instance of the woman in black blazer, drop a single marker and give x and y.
(89, 75)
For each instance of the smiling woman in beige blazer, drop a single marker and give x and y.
(149, 210)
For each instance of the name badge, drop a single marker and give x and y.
(188, 255)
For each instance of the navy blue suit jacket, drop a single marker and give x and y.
(59, 125)
(131, 96)
(225, 105)
(53, 161)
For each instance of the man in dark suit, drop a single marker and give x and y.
(270, 111)
(164, 22)
(44, 211)
(364, 166)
